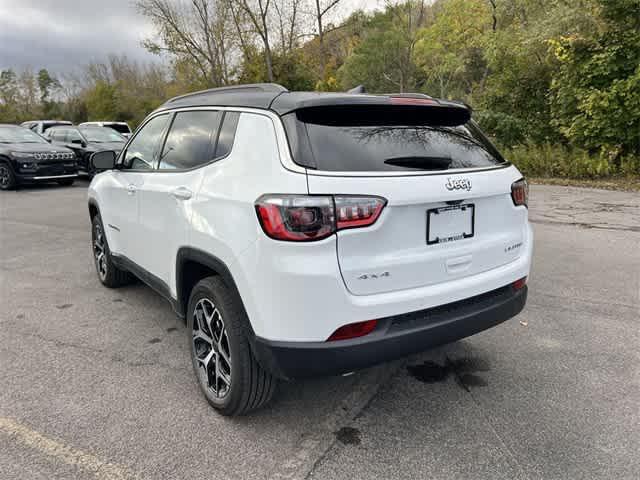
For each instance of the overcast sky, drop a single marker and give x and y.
(63, 34)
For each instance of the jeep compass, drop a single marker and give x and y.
(303, 234)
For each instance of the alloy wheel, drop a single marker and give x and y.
(99, 252)
(5, 175)
(211, 348)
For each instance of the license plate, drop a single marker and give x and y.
(449, 224)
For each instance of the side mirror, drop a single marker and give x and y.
(105, 160)
(78, 141)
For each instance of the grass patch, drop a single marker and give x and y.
(559, 165)
(555, 161)
(627, 184)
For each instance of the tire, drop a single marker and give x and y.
(66, 183)
(108, 274)
(7, 177)
(216, 317)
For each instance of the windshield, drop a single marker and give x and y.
(101, 135)
(19, 135)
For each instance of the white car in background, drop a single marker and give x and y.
(121, 127)
(41, 126)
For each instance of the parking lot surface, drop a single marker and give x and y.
(97, 383)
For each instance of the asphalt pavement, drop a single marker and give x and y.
(97, 383)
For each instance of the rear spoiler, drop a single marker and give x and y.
(392, 111)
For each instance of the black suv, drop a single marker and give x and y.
(27, 157)
(86, 140)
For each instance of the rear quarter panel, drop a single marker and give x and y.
(223, 218)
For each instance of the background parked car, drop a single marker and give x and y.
(85, 140)
(27, 157)
(121, 127)
(41, 126)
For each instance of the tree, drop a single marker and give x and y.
(322, 9)
(450, 49)
(257, 11)
(384, 60)
(101, 101)
(596, 93)
(197, 33)
(8, 96)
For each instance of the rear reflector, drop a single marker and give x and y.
(353, 330)
(520, 283)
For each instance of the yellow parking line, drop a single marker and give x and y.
(101, 470)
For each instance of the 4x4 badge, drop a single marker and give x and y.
(458, 184)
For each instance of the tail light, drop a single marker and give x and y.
(353, 330)
(520, 193)
(305, 218)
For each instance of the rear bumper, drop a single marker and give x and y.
(394, 337)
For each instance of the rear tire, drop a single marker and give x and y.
(228, 374)
(108, 274)
(7, 177)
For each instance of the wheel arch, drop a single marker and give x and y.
(192, 265)
(8, 161)
(93, 208)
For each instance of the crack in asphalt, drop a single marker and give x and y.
(513, 457)
(315, 446)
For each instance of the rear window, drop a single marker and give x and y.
(48, 125)
(119, 127)
(367, 141)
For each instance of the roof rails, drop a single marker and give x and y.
(254, 87)
(409, 95)
(361, 89)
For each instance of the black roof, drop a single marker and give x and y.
(271, 96)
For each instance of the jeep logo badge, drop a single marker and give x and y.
(458, 184)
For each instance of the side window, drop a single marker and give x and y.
(190, 140)
(227, 134)
(141, 153)
(61, 135)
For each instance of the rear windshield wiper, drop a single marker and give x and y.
(421, 163)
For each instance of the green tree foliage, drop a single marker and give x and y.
(8, 96)
(450, 48)
(384, 59)
(102, 101)
(596, 91)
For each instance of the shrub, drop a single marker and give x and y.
(549, 160)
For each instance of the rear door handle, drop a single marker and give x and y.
(131, 189)
(182, 193)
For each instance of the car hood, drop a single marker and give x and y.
(35, 147)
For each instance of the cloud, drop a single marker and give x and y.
(62, 35)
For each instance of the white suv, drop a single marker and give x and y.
(305, 234)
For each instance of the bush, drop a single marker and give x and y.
(557, 161)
